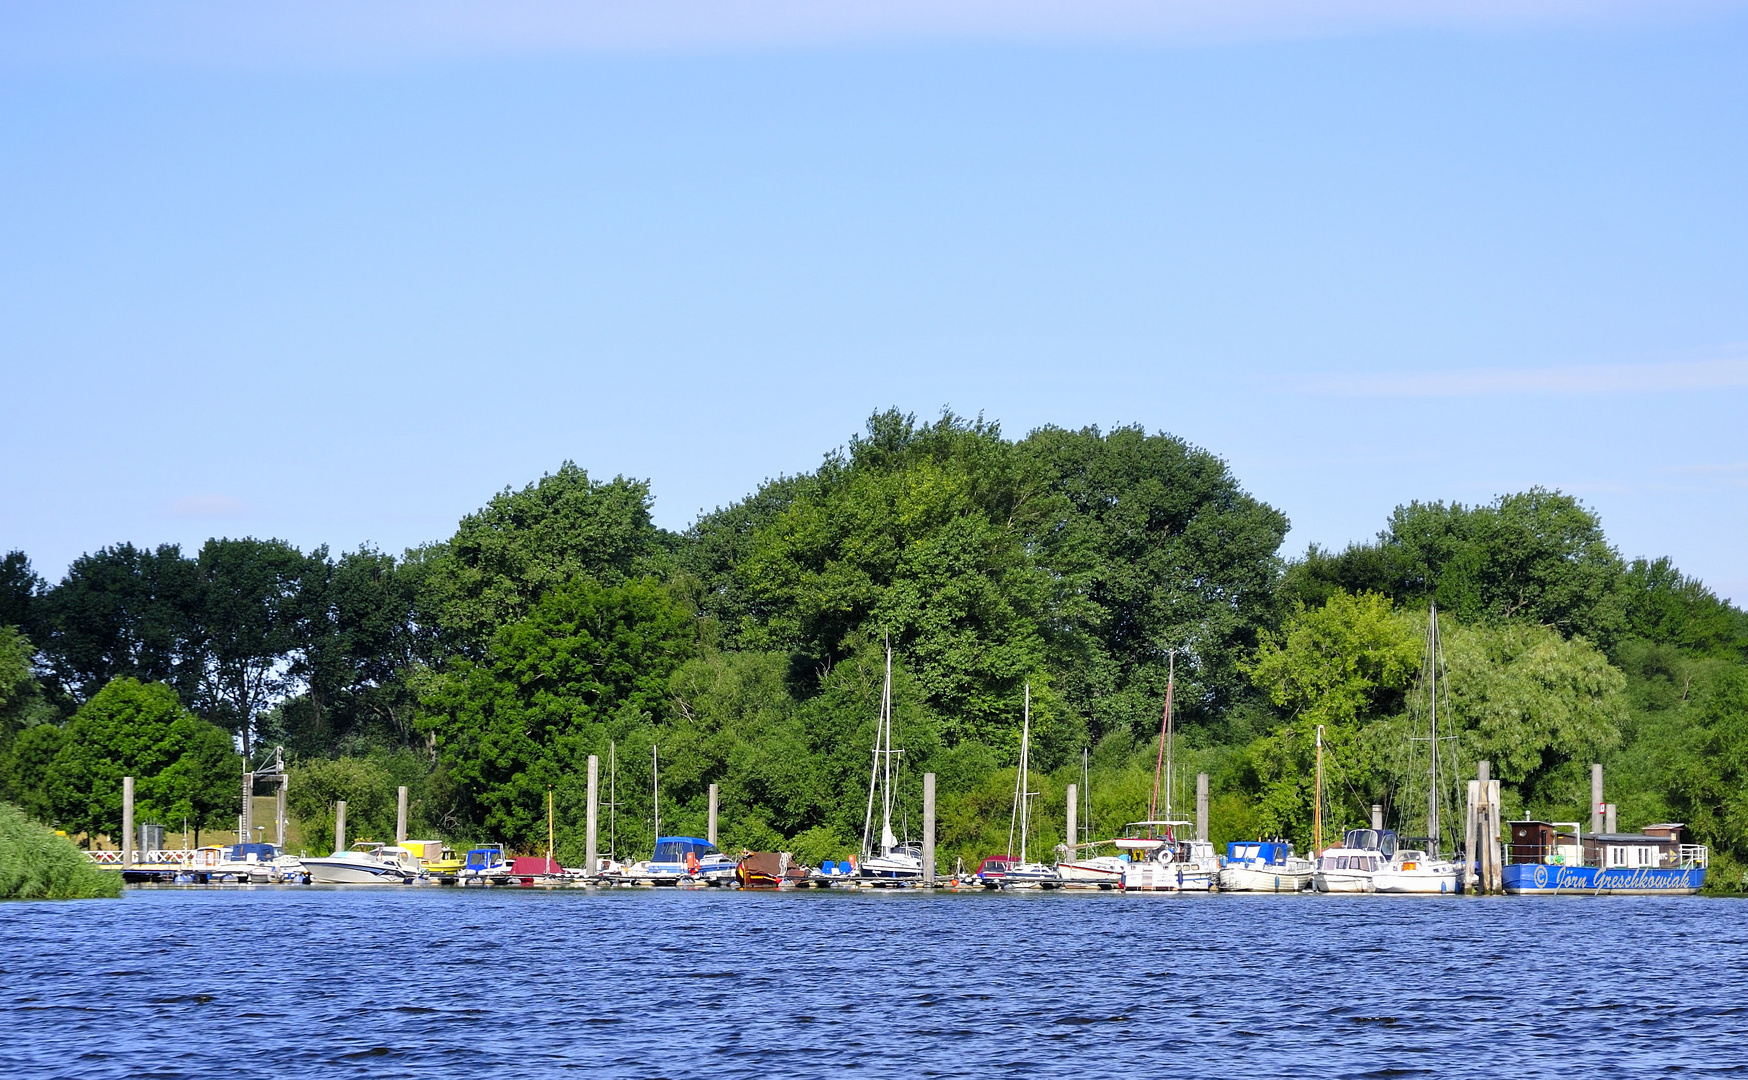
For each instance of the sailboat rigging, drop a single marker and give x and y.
(895, 860)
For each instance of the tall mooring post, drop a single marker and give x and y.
(1471, 872)
(929, 829)
(1378, 816)
(246, 826)
(711, 835)
(127, 821)
(401, 816)
(279, 815)
(592, 825)
(1596, 810)
(1201, 806)
(1073, 818)
(340, 826)
(1608, 818)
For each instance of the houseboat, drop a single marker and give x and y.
(1543, 858)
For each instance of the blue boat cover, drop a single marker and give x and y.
(675, 848)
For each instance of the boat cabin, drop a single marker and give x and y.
(1547, 842)
(490, 857)
(674, 849)
(1383, 841)
(1259, 852)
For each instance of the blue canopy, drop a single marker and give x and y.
(676, 848)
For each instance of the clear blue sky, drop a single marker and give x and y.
(339, 283)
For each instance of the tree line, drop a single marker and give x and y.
(748, 650)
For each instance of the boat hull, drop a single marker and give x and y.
(1274, 879)
(1538, 879)
(1415, 882)
(348, 872)
(1342, 881)
(1153, 877)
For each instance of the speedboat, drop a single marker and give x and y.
(366, 863)
(992, 870)
(1032, 875)
(1352, 867)
(1264, 866)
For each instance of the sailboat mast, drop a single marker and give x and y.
(548, 866)
(886, 787)
(1317, 799)
(1432, 791)
(613, 802)
(1026, 773)
(655, 772)
(1086, 828)
(1170, 685)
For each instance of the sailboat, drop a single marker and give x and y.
(1025, 873)
(1158, 860)
(1424, 871)
(1076, 871)
(894, 861)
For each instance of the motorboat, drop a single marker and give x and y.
(484, 865)
(365, 863)
(1264, 866)
(1159, 862)
(1352, 866)
(991, 870)
(678, 859)
(1413, 871)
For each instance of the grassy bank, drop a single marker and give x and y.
(35, 864)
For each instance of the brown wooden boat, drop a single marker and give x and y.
(768, 870)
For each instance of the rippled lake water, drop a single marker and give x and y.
(430, 981)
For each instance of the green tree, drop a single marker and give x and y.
(586, 663)
(123, 612)
(526, 543)
(251, 622)
(20, 586)
(181, 764)
(367, 788)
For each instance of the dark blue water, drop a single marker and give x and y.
(430, 981)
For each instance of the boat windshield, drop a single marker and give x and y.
(1380, 840)
(673, 849)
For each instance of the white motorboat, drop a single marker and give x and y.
(1264, 866)
(1103, 871)
(679, 860)
(1159, 862)
(1416, 872)
(365, 863)
(1351, 867)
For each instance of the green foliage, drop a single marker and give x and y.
(586, 663)
(183, 767)
(1666, 607)
(36, 864)
(366, 786)
(1538, 555)
(523, 544)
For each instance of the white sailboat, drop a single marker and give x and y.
(1425, 871)
(1025, 873)
(1158, 860)
(894, 861)
(1091, 871)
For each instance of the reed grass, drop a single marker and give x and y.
(36, 864)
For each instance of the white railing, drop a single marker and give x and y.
(1693, 856)
(171, 856)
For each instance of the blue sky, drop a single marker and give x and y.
(340, 279)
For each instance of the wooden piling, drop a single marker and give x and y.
(1073, 817)
(340, 826)
(127, 821)
(401, 816)
(711, 834)
(1201, 806)
(1596, 810)
(279, 813)
(592, 831)
(1471, 855)
(1608, 818)
(929, 829)
(1378, 816)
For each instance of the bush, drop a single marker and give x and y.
(36, 864)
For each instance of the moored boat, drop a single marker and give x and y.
(1350, 867)
(366, 863)
(1264, 866)
(1653, 862)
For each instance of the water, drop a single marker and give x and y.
(428, 981)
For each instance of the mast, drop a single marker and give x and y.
(612, 802)
(1432, 790)
(887, 840)
(548, 866)
(1026, 773)
(1086, 828)
(1170, 684)
(655, 773)
(1317, 799)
